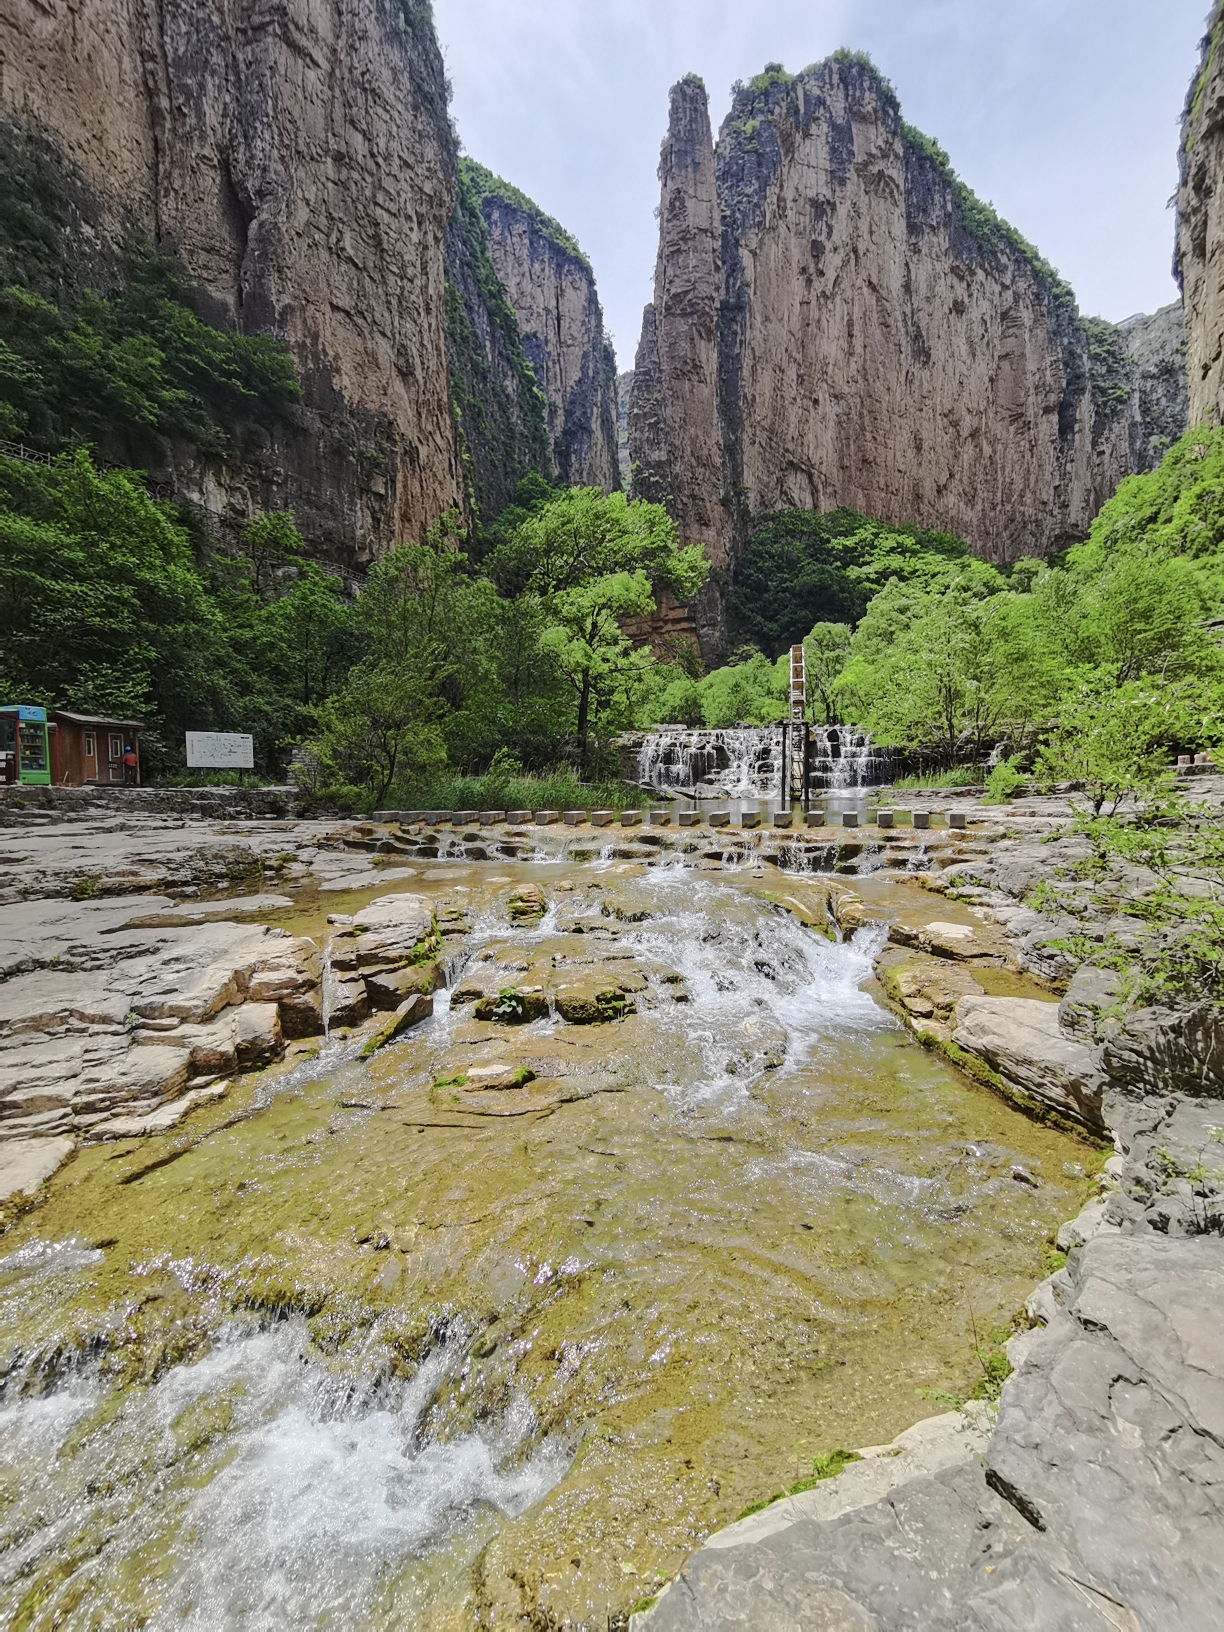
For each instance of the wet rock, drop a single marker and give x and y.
(527, 904)
(512, 1005)
(588, 1000)
(928, 988)
(347, 1002)
(394, 930)
(1019, 1039)
(410, 1013)
(392, 987)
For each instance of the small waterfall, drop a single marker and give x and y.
(327, 983)
(731, 762)
(842, 756)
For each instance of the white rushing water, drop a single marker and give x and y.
(321, 1489)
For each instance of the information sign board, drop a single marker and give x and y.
(220, 751)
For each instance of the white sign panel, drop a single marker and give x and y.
(220, 751)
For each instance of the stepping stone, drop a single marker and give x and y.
(750, 818)
(690, 818)
(631, 818)
(659, 818)
(783, 818)
(574, 818)
(849, 818)
(602, 818)
(492, 818)
(518, 818)
(545, 818)
(884, 818)
(720, 818)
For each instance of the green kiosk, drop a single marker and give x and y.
(24, 750)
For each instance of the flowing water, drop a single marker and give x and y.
(361, 1347)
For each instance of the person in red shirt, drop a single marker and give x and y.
(129, 766)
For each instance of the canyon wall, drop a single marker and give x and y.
(1199, 260)
(838, 321)
(551, 289)
(1160, 407)
(298, 157)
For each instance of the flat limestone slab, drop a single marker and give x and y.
(1020, 1038)
(27, 1163)
(929, 1446)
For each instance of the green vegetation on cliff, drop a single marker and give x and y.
(483, 185)
(496, 400)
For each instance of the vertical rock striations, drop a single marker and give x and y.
(298, 157)
(838, 321)
(1199, 259)
(1159, 403)
(498, 406)
(551, 288)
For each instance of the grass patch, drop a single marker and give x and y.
(823, 1467)
(960, 776)
(559, 789)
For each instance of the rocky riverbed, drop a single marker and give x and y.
(494, 1213)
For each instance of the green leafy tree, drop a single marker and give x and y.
(382, 727)
(592, 561)
(826, 651)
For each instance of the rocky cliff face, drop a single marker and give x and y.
(1160, 408)
(298, 157)
(1199, 260)
(837, 321)
(549, 285)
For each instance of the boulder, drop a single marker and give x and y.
(391, 987)
(1090, 994)
(527, 904)
(257, 1035)
(512, 1005)
(410, 1013)
(1165, 1051)
(1019, 1039)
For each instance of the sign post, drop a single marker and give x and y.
(221, 751)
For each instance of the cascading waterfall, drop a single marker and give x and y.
(843, 756)
(727, 763)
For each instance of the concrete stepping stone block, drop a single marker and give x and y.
(849, 818)
(492, 818)
(921, 818)
(545, 818)
(659, 818)
(631, 818)
(574, 818)
(750, 818)
(720, 818)
(957, 818)
(815, 818)
(517, 818)
(884, 818)
(464, 818)
(602, 818)
(783, 818)
(690, 818)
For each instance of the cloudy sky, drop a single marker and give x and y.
(1063, 113)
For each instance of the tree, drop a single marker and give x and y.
(826, 649)
(592, 561)
(381, 728)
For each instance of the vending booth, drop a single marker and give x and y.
(25, 750)
(89, 748)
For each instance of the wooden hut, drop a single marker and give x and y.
(87, 749)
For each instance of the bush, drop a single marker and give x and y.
(1002, 782)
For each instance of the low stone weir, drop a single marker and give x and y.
(732, 762)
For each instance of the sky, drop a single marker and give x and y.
(1062, 113)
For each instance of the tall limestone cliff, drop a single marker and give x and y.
(838, 321)
(1160, 409)
(297, 156)
(551, 288)
(1199, 258)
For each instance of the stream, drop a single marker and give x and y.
(367, 1345)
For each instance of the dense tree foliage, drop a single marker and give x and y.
(799, 568)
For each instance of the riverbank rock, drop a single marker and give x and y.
(1099, 1508)
(1019, 1039)
(27, 1163)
